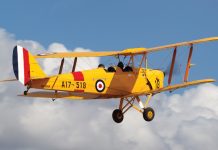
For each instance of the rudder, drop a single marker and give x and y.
(25, 66)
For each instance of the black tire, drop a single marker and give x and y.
(25, 93)
(148, 114)
(117, 116)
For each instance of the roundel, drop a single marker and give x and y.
(99, 85)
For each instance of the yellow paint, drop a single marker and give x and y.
(35, 69)
(117, 83)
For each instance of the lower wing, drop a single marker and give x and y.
(58, 95)
(173, 87)
(81, 96)
(68, 95)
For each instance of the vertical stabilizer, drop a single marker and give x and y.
(25, 66)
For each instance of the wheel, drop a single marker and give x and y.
(117, 116)
(25, 93)
(148, 114)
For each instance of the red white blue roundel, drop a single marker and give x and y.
(99, 85)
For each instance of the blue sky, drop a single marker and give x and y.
(108, 25)
(114, 25)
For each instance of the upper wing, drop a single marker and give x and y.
(76, 54)
(189, 43)
(173, 87)
(126, 52)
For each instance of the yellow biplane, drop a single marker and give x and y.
(126, 82)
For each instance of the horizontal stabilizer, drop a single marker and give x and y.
(8, 80)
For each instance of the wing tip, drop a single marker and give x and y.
(208, 80)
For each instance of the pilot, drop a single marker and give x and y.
(101, 66)
(120, 65)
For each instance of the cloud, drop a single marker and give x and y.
(182, 121)
(192, 113)
(51, 66)
(7, 42)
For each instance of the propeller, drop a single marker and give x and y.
(176, 70)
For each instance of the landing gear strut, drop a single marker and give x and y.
(147, 112)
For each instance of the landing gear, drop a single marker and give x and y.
(148, 114)
(117, 115)
(25, 92)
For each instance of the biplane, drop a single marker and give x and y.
(125, 82)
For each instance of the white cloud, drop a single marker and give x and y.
(51, 66)
(33, 46)
(7, 43)
(181, 114)
(183, 121)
